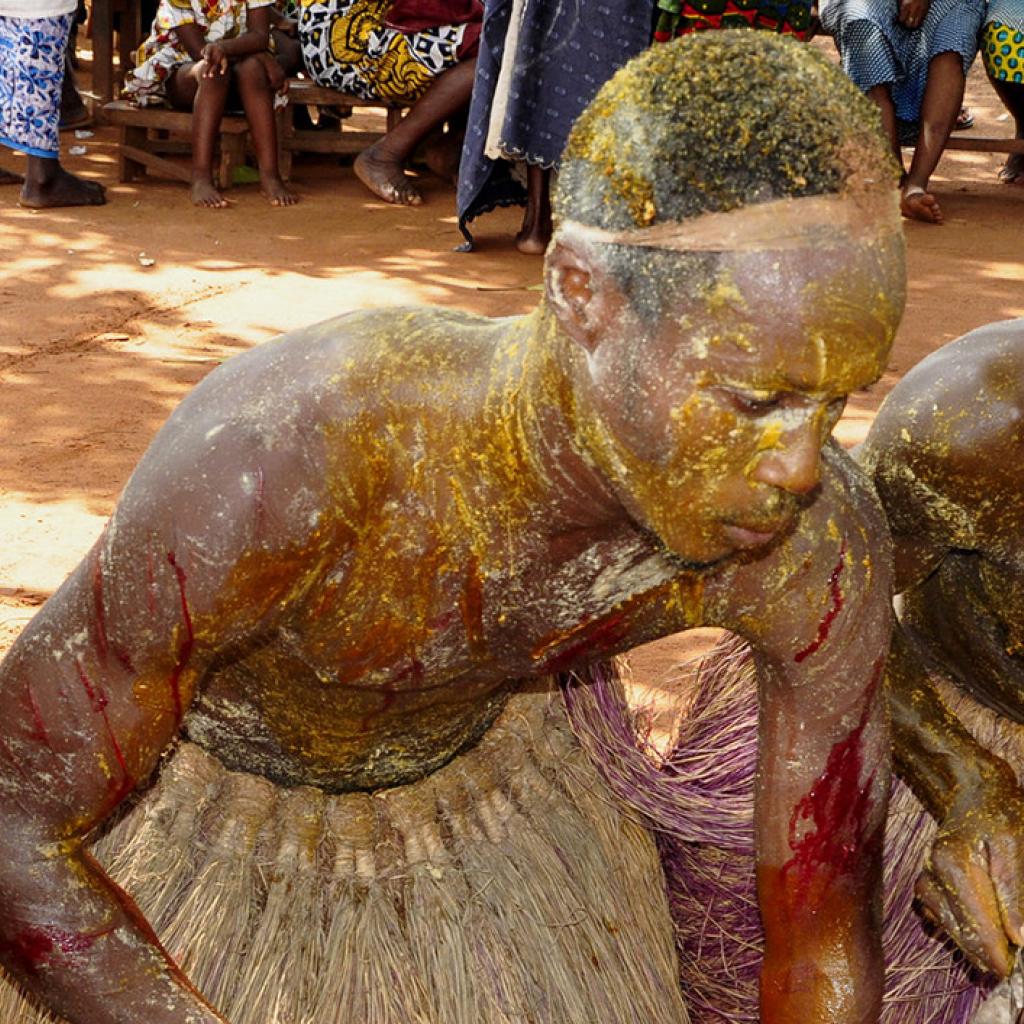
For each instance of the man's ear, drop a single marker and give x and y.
(584, 299)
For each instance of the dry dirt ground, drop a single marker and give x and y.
(109, 315)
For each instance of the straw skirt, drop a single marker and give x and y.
(508, 887)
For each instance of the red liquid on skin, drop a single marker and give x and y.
(837, 807)
(119, 789)
(829, 617)
(602, 636)
(32, 949)
(389, 691)
(187, 641)
(100, 611)
(39, 726)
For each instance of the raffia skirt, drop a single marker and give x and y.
(699, 799)
(508, 887)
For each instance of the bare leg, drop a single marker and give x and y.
(882, 98)
(48, 184)
(73, 111)
(258, 100)
(535, 232)
(381, 167)
(1012, 95)
(187, 89)
(943, 95)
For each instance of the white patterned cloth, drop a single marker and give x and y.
(31, 75)
(161, 52)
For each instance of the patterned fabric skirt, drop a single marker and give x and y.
(680, 17)
(1002, 50)
(541, 62)
(877, 50)
(347, 45)
(507, 886)
(31, 75)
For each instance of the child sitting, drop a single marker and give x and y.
(204, 54)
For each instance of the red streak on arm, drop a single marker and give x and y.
(33, 949)
(119, 788)
(837, 809)
(597, 640)
(825, 626)
(100, 619)
(187, 640)
(39, 731)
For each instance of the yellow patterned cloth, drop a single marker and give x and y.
(347, 45)
(161, 52)
(1002, 50)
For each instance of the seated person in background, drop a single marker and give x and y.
(33, 46)
(911, 57)
(348, 547)
(207, 57)
(540, 64)
(946, 456)
(680, 17)
(1002, 50)
(407, 51)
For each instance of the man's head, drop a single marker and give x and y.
(728, 262)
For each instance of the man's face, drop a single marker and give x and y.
(712, 422)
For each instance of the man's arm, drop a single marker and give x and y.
(817, 611)
(972, 882)
(195, 558)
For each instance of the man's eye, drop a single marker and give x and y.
(755, 404)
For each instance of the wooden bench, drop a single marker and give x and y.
(343, 140)
(978, 144)
(144, 142)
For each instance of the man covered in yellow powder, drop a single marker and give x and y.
(945, 453)
(339, 583)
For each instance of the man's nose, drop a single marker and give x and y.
(793, 464)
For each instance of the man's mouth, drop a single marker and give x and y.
(754, 536)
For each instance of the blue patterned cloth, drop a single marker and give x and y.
(876, 49)
(566, 51)
(31, 75)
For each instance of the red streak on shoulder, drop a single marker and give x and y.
(825, 626)
(187, 639)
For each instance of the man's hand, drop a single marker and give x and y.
(972, 884)
(913, 12)
(216, 60)
(275, 74)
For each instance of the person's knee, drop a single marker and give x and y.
(251, 72)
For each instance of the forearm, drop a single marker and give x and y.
(74, 939)
(934, 754)
(249, 42)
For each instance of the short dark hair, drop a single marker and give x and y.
(713, 122)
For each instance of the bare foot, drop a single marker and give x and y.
(61, 189)
(1012, 172)
(533, 244)
(277, 192)
(205, 194)
(10, 178)
(916, 204)
(385, 178)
